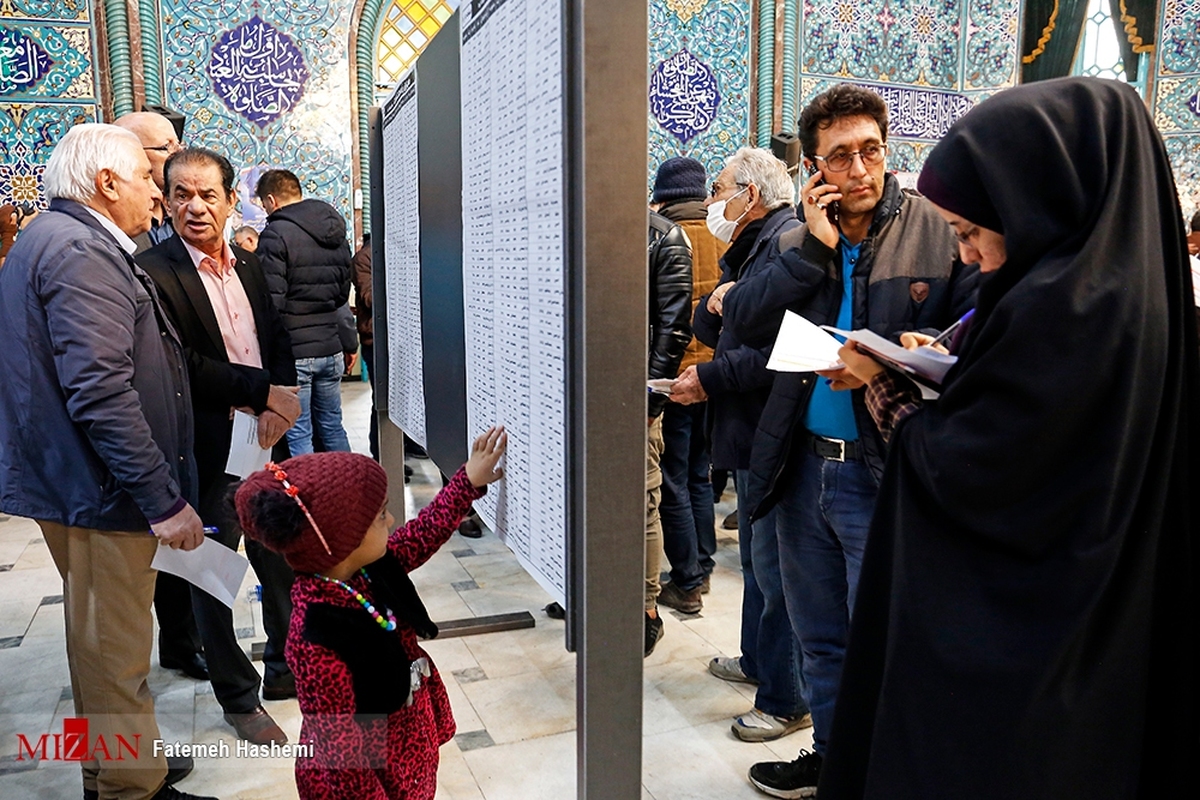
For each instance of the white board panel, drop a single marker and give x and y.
(402, 240)
(513, 268)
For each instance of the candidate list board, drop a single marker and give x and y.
(402, 240)
(513, 260)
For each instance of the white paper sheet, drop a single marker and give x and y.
(402, 253)
(212, 567)
(513, 269)
(924, 362)
(802, 346)
(245, 456)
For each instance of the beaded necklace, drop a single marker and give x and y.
(388, 624)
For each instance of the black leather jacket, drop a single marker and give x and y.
(670, 262)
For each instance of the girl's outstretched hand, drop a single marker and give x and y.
(485, 454)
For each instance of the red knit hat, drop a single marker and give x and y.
(341, 492)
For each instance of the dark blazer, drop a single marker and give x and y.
(95, 422)
(218, 385)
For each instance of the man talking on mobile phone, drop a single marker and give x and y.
(869, 255)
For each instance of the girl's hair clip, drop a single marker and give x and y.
(294, 493)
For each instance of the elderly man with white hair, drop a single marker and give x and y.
(96, 440)
(751, 207)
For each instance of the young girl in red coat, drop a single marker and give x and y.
(375, 710)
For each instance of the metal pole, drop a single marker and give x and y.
(607, 162)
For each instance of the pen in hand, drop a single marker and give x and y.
(946, 334)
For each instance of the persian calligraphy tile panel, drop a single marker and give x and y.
(75, 10)
(917, 118)
(28, 132)
(1180, 37)
(46, 61)
(699, 85)
(265, 85)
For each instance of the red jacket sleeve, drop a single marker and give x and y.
(415, 542)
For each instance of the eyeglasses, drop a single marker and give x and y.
(871, 155)
(169, 147)
(717, 188)
(965, 236)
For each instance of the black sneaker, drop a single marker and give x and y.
(788, 779)
(171, 793)
(654, 632)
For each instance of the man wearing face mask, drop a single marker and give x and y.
(751, 208)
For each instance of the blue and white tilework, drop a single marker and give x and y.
(932, 60)
(699, 83)
(266, 85)
(1176, 102)
(47, 84)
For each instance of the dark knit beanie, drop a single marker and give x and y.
(343, 492)
(680, 178)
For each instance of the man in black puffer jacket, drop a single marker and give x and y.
(307, 262)
(670, 261)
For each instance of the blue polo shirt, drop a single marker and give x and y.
(830, 414)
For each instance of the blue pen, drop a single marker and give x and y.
(946, 334)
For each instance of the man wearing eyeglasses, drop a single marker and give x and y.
(159, 142)
(869, 255)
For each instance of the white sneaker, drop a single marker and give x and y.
(757, 726)
(729, 669)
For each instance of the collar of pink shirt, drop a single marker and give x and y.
(202, 261)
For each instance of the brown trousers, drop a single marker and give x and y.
(654, 448)
(108, 587)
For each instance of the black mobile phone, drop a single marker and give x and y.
(832, 210)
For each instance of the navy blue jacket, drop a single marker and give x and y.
(908, 278)
(736, 380)
(95, 408)
(304, 254)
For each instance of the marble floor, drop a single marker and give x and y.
(513, 693)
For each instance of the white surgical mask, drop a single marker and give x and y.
(720, 227)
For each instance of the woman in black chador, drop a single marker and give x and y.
(1027, 617)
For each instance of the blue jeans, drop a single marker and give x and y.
(320, 382)
(823, 515)
(770, 652)
(686, 509)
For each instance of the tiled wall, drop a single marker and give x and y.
(47, 84)
(1176, 103)
(268, 85)
(932, 60)
(699, 80)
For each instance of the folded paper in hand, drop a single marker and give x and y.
(801, 346)
(245, 456)
(924, 363)
(212, 567)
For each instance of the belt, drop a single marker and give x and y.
(833, 449)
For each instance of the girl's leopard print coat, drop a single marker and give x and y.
(373, 758)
